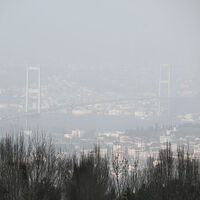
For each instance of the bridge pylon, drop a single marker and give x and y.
(33, 92)
(164, 93)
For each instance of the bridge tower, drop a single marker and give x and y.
(164, 93)
(33, 92)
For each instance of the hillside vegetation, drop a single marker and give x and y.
(31, 169)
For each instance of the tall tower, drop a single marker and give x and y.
(33, 92)
(164, 94)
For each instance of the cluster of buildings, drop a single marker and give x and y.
(129, 146)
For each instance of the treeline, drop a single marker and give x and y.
(31, 169)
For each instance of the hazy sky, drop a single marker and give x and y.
(52, 32)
